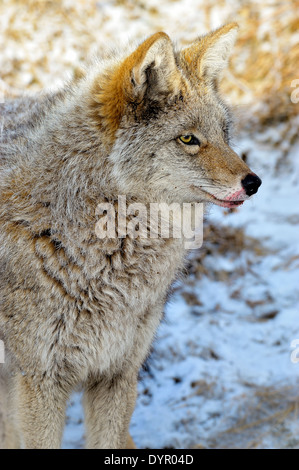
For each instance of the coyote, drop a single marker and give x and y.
(77, 310)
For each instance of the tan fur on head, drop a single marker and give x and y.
(151, 67)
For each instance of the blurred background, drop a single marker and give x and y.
(224, 370)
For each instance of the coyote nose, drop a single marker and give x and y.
(251, 184)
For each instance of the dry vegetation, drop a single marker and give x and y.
(265, 412)
(43, 39)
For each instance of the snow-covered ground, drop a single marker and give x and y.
(221, 373)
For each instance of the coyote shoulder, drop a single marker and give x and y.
(76, 309)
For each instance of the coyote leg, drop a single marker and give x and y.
(40, 410)
(10, 438)
(109, 404)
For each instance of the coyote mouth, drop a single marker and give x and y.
(228, 203)
(224, 203)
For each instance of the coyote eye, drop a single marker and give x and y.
(189, 140)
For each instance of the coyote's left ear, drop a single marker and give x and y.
(148, 74)
(208, 56)
(152, 68)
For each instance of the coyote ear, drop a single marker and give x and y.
(153, 70)
(149, 73)
(210, 53)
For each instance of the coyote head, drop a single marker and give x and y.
(166, 126)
